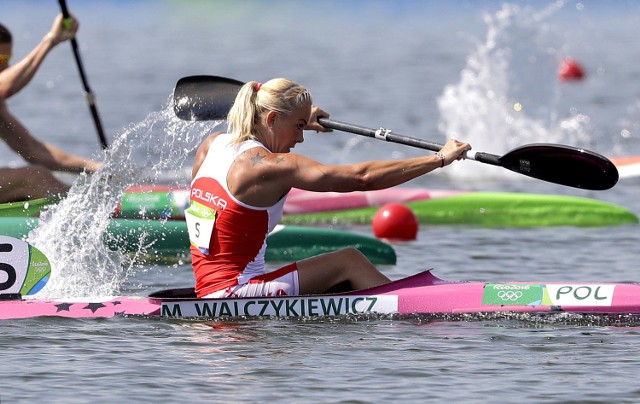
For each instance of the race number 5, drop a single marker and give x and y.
(200, 226)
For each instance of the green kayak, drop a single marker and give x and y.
(25, 208)
(487, 209)
(169, 239)
(491, 209)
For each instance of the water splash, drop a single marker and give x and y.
(71, 234)
(508, 93)
(629, 134)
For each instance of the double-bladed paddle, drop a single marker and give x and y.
(198, 98)
(90, 97)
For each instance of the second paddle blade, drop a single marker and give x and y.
(563, 165)
(204, 98)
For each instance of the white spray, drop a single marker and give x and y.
(71, 234)
(508, 92)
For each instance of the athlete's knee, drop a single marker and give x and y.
(351, 254)
(353, 258)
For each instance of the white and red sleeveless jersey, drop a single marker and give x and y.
(228, 237)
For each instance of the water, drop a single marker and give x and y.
(426, 69)
(81, 262)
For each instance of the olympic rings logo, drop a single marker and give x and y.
(509, 295)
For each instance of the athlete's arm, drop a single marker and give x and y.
(261, 178)
(34, 151)
(14, 78)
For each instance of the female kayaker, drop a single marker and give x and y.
(240, 182)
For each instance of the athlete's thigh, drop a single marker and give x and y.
(319, 273)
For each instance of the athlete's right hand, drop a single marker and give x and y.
(454, 150)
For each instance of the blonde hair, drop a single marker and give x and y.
(253, 99)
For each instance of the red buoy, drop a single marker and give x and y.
(395, 222)
(570, 70)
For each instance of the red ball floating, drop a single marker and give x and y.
(570, 70)
(396, 222)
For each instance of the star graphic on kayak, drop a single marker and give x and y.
(94, 307)
(63, 307)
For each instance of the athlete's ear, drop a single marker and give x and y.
(271, 119)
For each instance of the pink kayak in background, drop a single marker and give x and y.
(171, 202)
(300, 201)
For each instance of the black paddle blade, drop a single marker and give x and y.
(204, 98)
(563, 165)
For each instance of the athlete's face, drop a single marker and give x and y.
(288, 129)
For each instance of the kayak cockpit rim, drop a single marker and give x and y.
(423, 278)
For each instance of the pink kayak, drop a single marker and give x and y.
(300, 201)
(171, 202)
(422, 293)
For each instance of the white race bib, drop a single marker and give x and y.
(200, 222)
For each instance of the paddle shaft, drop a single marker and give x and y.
(85, 83)
(389, 136)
